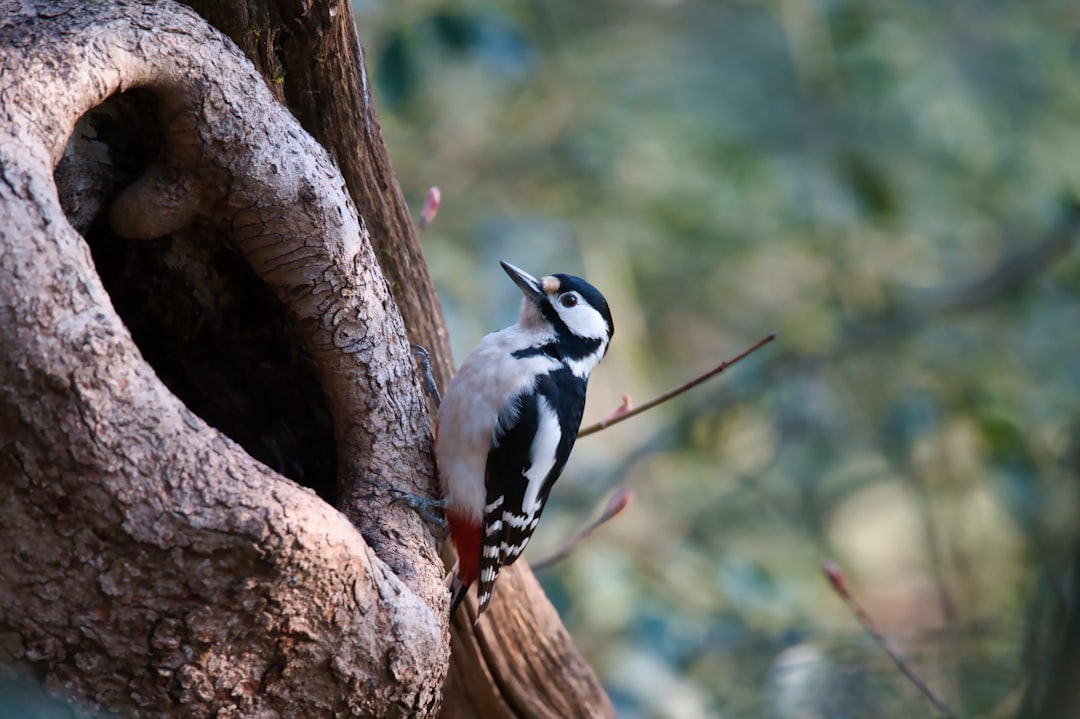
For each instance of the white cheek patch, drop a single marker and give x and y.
(583, 320)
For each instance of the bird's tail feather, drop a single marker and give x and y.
(458, 590)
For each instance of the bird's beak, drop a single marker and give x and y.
(530, 286)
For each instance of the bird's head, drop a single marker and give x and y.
(575, 311)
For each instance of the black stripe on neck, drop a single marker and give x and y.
(565, 348)
(548, 349)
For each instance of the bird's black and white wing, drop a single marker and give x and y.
(530, 446)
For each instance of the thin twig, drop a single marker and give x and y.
(626, 406)
(616, 504)
(670, 394)
(835, 575)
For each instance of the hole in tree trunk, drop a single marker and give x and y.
(213, 332)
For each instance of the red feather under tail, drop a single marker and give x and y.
(466, 538)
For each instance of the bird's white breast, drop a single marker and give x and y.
(482, 389)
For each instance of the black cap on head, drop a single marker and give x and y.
(590, 294)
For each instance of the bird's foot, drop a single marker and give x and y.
(424, 506)
(426, 376)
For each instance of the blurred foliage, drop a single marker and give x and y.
(891, 187)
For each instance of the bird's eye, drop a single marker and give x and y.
(568, 300)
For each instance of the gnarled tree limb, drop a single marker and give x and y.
(150, 564)
(519, 661)
(268, 601)
(331, 96)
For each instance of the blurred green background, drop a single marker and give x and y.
(890, 186)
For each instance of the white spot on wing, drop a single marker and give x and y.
(545, 443)
(518, 521)
(515, 549)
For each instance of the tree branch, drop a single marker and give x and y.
(149, 563)
(835, 576)
(333, 102)
(617, 416)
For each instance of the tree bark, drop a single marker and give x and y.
(311, 57)
(153, 565)
(519, 661)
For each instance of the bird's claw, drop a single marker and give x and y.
(424, 506)
(426, 375)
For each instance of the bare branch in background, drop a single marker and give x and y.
(614, 506)
(618, 416)
(835, 575)
(626, 410)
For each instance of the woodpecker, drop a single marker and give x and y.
(509, 419)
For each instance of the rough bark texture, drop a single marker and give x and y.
(310, 56)
(519, 661)
(332, 99)
(150, 565)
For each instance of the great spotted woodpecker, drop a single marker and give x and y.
(509, 419)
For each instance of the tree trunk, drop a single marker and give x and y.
(229, 320)
(154, 566)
